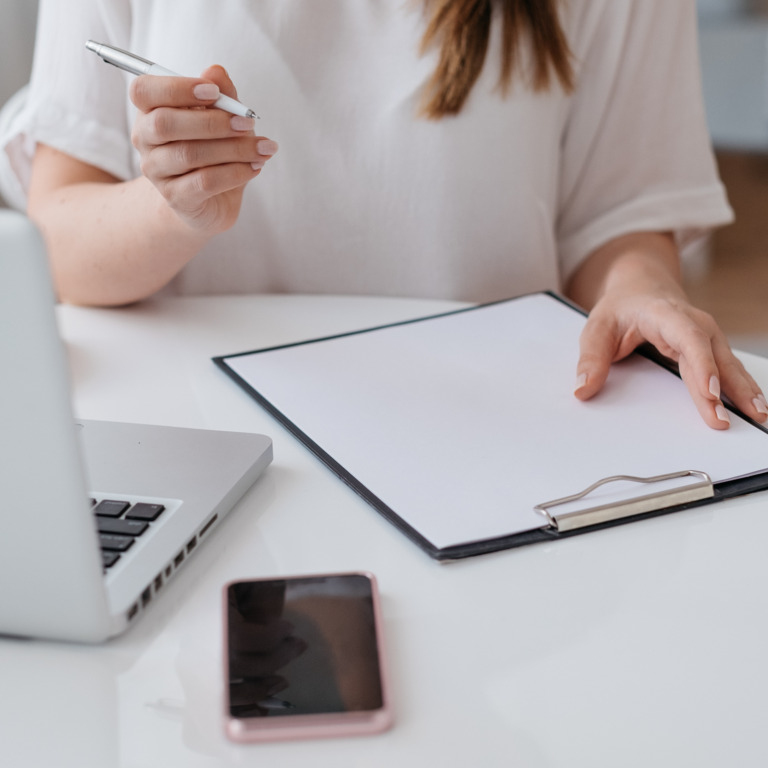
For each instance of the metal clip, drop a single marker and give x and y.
(566, 521)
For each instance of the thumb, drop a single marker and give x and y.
(598, 345)
(217, 74)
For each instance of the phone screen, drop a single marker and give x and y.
(305, 645)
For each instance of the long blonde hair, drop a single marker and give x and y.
(462, 29)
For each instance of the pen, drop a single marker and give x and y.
(134, 64)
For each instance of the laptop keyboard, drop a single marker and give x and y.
(120, 523)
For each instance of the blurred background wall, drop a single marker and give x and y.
(731, 280)
(17, 31)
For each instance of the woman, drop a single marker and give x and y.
(463, 149)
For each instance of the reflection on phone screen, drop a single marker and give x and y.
(302, 646)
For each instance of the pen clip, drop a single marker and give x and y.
(119, 58)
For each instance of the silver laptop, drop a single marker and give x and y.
(95, 517)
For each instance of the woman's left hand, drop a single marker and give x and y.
(638, 298)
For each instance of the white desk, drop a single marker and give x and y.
(644, 645)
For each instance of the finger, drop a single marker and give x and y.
(741, 389)
(177, 158)
(189, 192)
(166, 124)
(598, 346)
(689, 341)
(687, 337)
(219, 76)
(705, 393)
(710, 369)
(149, 92)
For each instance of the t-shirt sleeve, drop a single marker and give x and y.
(75, 102)
(636, 152)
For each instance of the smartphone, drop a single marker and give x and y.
(304, 658)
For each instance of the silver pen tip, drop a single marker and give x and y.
(251, 113)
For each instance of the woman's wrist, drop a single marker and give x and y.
(637, 263)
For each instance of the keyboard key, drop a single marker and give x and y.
(122, 527)
(109, 558)
(144, 511)
(114, 542)
(108, 508)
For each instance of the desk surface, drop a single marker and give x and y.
(642, 645)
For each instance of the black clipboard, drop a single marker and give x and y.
(695, 486)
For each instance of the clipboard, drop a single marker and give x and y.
(462, 430)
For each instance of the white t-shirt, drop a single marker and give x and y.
(366, 197)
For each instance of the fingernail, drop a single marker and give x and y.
(258, 165)
(581, 380)
(760, 405)
(267, 147)
(206, 91)
(240, 123)
(722, 414)
(714, 386)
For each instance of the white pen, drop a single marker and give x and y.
(134, 64)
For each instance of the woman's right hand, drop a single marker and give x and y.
(198, 157)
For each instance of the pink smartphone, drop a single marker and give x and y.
(304, 658)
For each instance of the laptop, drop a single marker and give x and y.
(95, 517)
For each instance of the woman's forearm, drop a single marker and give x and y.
(114, 242)
(111, 243)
